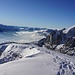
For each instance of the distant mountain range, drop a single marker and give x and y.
(5, 28)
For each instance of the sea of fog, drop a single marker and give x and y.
(22, 36)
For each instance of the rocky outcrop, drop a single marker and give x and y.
(41, 42)
(70, 42)
(57, 38)
(54, 38)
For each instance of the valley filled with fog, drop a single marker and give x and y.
(21, 36)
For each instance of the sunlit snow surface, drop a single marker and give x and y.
(36, 61)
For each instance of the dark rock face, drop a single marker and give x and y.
(41, 42)
(69, 46)
(54, 38)
(70, 42)
(52, 41)
(58, 37)
(68, 51)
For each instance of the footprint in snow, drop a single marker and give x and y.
(66, 67)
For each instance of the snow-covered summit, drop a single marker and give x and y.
(68, 29)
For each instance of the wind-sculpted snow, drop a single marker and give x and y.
(17, 51)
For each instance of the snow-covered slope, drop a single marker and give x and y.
(17, 51)
(36, 61)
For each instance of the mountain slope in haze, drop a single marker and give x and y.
(5, 28)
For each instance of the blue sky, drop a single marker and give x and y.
(38, 13)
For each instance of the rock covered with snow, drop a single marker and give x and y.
(17, 51)
(61, 40)
(55, 38)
